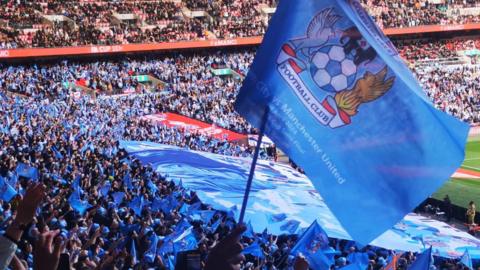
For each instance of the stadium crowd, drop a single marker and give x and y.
(163, 21)
(192, 90)
(398, 14)
(104, 210)
(427, 49)
(453, 89)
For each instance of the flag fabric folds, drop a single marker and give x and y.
(7, 192)
(359, 258)
(353, 266)
(79, 205)
(151, 253)
(204, 216)
(185, 241)
(312, 245)
(105, 188)
(133, 252)
(118, 197)
(466, 259)
(255, 250)
(137, 205)
(27, 171)
(423, 261)
(344, 107)
(127, 181)
(249, 232)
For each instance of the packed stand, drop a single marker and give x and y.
(20, 14)
(101, 209)
(192, 89)
(427, 49)
(453, 89)
(399, 14)
(231, 19)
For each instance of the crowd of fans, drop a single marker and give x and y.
(428, 49)
(453, 89)
(192, 88)
(398, 14)
(102, 210)
(233, 18)
(164, 21)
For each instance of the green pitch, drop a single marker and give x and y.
(462, 191)
(472, 155)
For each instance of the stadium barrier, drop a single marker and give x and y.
(431, 29)
(125, 48)
(474, 131)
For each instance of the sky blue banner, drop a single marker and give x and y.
(343, 105)
(281, 196)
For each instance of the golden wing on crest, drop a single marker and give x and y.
(366, 89)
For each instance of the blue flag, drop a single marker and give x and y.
(118, 197)
(233, 213)
(7, 192)
(105, 188)
(137, 205)
(156, 204)
(184, 209)
(344, 107)
(79, 205)
(423, 261)
(215, 225)
(57, 153)
(466, 259)
(151, 186)
(353, 266)
(290, 226)
(13, 180)
(171, 265)
(249, 232)
(151, 253)
(277, 218)
(204, 216)
(76, 183)
(133, 252)
(255, 250)
(312, 244)
(27, 171)
(127, 181)
(359, 258)
(185, 241)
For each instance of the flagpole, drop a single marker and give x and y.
(254, 163)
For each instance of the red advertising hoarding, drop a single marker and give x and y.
(126, 48)
(180, 121)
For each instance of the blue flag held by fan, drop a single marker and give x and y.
(340, 102)
(312, 245)
(466, 259)
(27, 171)
(7, 192)
(423, 261)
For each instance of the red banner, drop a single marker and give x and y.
(431, 29)
(85, 50)
(176, 120)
